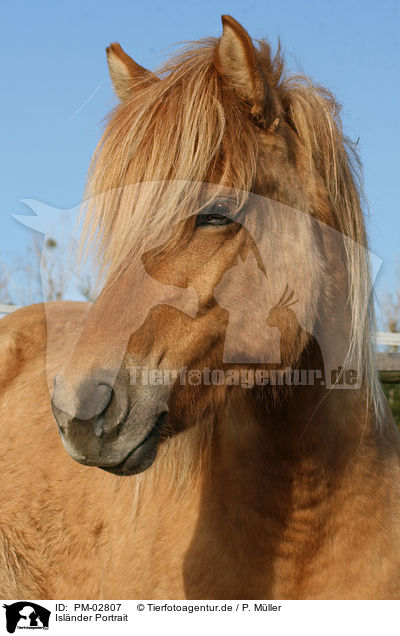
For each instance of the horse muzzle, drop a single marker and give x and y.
(107, 423)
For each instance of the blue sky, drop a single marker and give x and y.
(56, 89)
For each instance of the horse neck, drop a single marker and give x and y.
(291, 456)
(289, 482)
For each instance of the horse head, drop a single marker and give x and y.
(217, 157)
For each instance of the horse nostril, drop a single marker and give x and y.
(103, 396)
(84, 402)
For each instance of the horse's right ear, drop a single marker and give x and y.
(126, 74)
(236, 62)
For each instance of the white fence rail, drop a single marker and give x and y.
(382, 338)
(8, 309)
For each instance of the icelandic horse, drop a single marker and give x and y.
(205, 490)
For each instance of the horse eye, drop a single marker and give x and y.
(218, 213)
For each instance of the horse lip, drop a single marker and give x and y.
(151, 439)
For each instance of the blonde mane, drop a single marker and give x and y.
(170, 137)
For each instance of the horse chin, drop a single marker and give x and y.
(130, 458)
(140, 458)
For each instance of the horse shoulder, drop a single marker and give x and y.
(23, 334)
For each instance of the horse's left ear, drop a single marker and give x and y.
(236, 62)
(126, 74)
